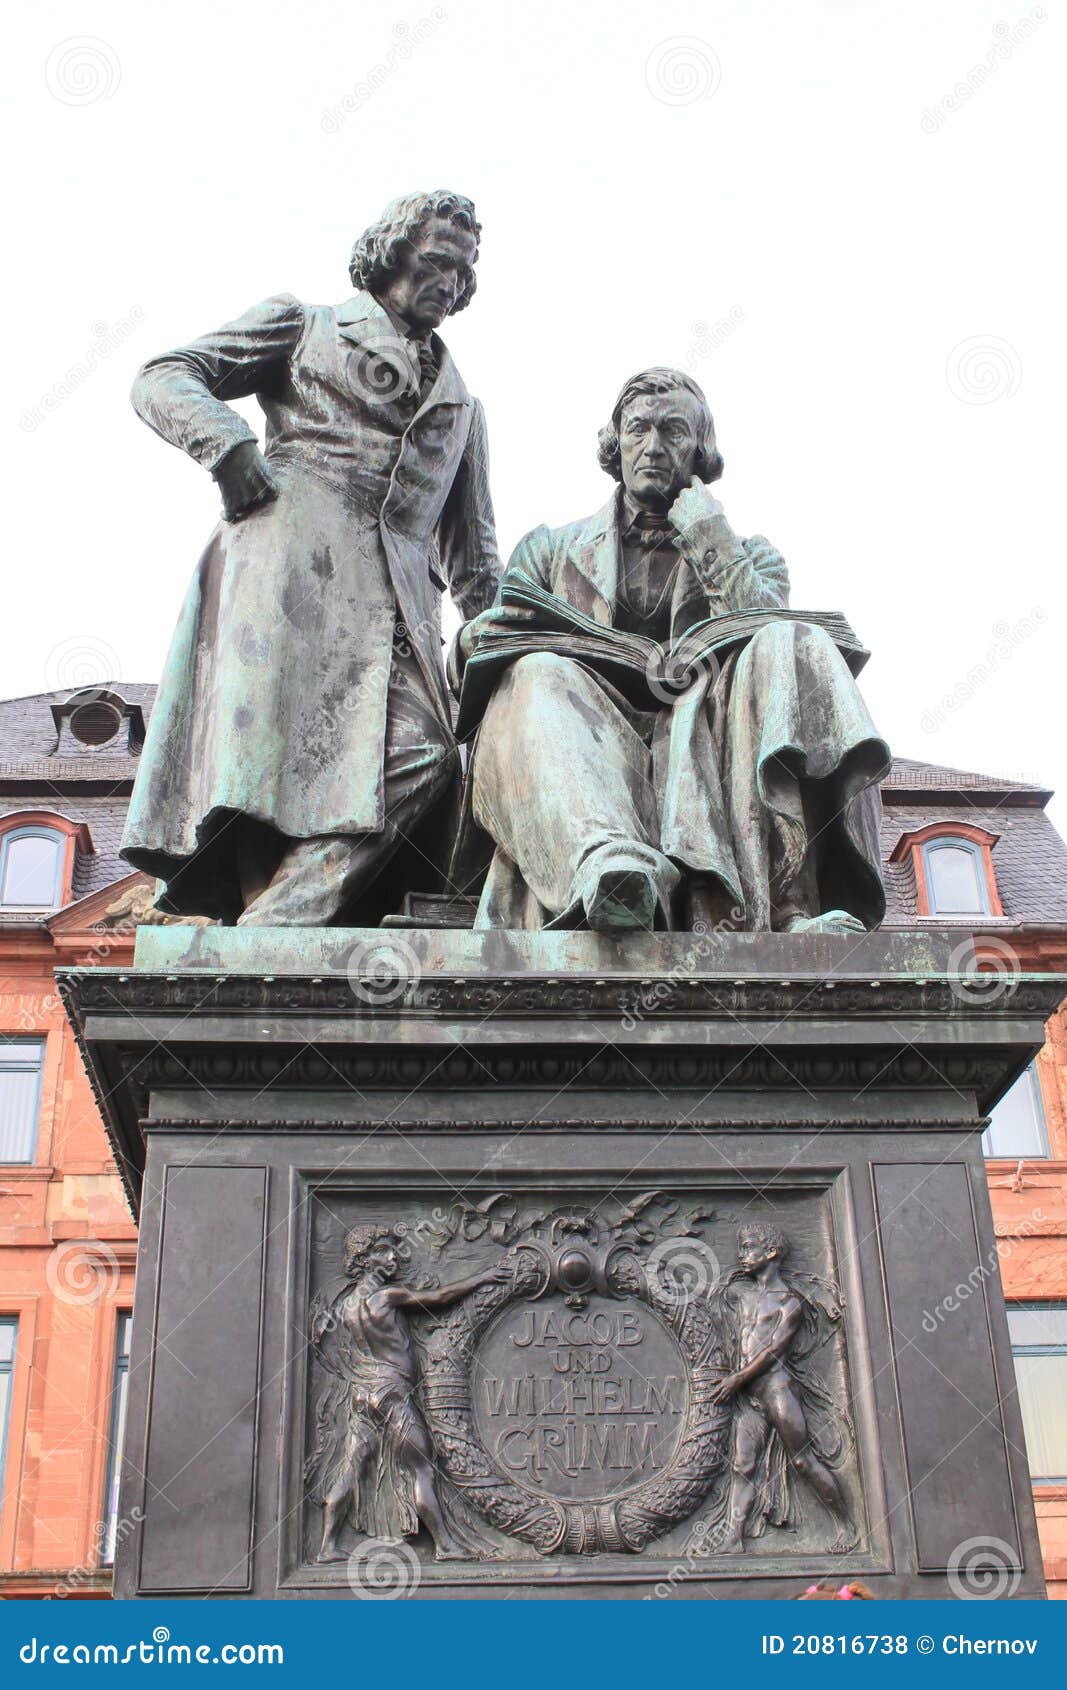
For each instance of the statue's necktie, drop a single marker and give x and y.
(427, 367)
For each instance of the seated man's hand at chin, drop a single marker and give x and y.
(695, 503)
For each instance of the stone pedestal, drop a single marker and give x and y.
(541, 1150)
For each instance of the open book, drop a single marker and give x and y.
(645, 672)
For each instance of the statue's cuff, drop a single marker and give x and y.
(455, 661)
(212, 453)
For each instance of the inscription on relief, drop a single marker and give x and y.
(580, 1403)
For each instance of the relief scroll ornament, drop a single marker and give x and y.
(663, 1386)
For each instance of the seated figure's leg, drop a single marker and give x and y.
(562, 783)
(802, 760)
(799, 905)
(317, 878)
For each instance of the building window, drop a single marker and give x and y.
(955, 878)
(95, 718)
(116, 1434)
(1017, 1123)
(95, 722)
(31, 868)
(21, 1062)
(1039, 1345)
(953, 867)
(9, 1327)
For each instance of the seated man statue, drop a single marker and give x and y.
(747, 795)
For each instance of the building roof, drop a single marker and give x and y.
(908, 776)
(43, 767)
(31, 746)
(1029, 859)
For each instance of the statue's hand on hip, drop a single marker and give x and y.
(244, 480)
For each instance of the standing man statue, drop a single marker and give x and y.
(747, 795)
(300, 761)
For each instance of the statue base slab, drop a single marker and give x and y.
(611, 1268)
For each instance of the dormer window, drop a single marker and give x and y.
(38, 850)
(31, 868)
(95, 722)
(97, 719)
(954, 876)
(955, 882)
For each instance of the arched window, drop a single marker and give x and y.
(31, 868)
(955, 877)
(953, 867)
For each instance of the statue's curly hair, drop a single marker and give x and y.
(770, 1237)
(360, 1241)
(375, 254)
(709, 464)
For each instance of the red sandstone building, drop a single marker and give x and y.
(961, 850)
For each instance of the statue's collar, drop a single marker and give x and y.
(362, 319)
(591, 570)
(370, 320)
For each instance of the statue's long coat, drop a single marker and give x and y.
(273, 699)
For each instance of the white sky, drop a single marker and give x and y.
(867, 283)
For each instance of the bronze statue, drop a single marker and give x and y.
(300, 762)
(782, 1416)
(742, 791)
(374, 1464)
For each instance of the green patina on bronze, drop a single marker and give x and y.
(302, 733)
(301, 768)
(743, 795)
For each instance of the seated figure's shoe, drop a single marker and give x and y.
(622, 900)
(831, 921)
